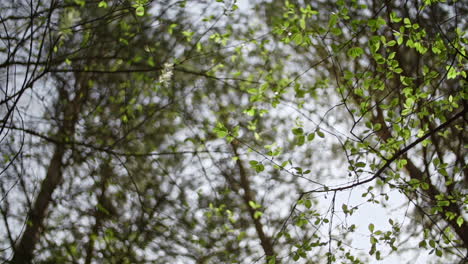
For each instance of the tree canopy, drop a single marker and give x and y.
(225, 131)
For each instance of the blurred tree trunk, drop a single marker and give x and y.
(248, 197)
(37, 214)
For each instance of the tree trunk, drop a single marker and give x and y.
(248, 196)
(24, 249)
(35, 219)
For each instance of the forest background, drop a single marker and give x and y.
(233, 131)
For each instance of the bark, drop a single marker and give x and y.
(248, 196)
(99, 215)
(34, 225)
(24, 251)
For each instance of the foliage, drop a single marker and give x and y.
(223, 132)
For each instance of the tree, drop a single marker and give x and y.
(210, 132)
(400, 86)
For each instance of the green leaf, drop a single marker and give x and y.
(452, 73)
(423, 244)
(102, 4)
(298, 131)
(320, 134)
(301, 140)
(257, 214)
(302, 23)
(372, 250)
(360, 165)
(443, 203)
(425, 186)
(271, 260)
(377, 255)
(391, 43)
(171, 28)
(241, 236)
(344, 207)
(297, 38)
(140, 11)
(460, 220)
(220, 130)
(355, 52)
(394, 18)
(401, 163)
(254, 205)
(260, 167)
(81, 3)
(371, 227)
(420, 133)
(333, 20)
(400, 40)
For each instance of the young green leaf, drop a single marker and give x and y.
(140, 11)
(102, 4)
